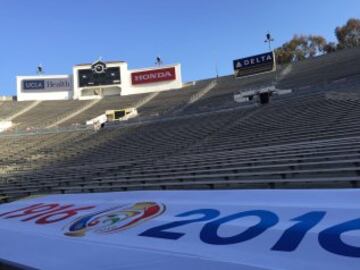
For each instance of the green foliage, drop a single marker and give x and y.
(348, 35)
(301, 47)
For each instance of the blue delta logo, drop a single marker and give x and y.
(253, 61)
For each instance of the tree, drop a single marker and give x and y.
(315, 45)
(348, 35)
(300, 48)
(330, 47)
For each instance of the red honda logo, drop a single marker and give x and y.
(155, 75)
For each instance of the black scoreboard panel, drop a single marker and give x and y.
(89, 78)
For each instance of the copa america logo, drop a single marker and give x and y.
(115, 219)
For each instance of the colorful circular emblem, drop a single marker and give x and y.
(115, 219)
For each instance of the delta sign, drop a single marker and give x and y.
(253, 65)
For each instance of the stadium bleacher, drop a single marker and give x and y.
(9, 108)
(46, 113)
(309, 138)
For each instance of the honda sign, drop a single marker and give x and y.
(154, 75)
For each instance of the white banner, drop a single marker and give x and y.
(236, 229)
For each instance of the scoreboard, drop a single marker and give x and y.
(99, 75)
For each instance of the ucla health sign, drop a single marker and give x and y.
(254, 64)
(47, 85)
(222, 230)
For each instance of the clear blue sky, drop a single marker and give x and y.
(195, 33)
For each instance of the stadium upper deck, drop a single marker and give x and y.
(318, 72)
(196, 137)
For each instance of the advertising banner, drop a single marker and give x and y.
(154, 75)
(254, 65)
(222, 230)
(47, 85)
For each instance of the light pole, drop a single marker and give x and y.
(269, 39)
(158, 61)
(40, 69)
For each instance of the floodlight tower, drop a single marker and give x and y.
(269, 39)
(39, 69)
(216, 65)
(158, 61)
